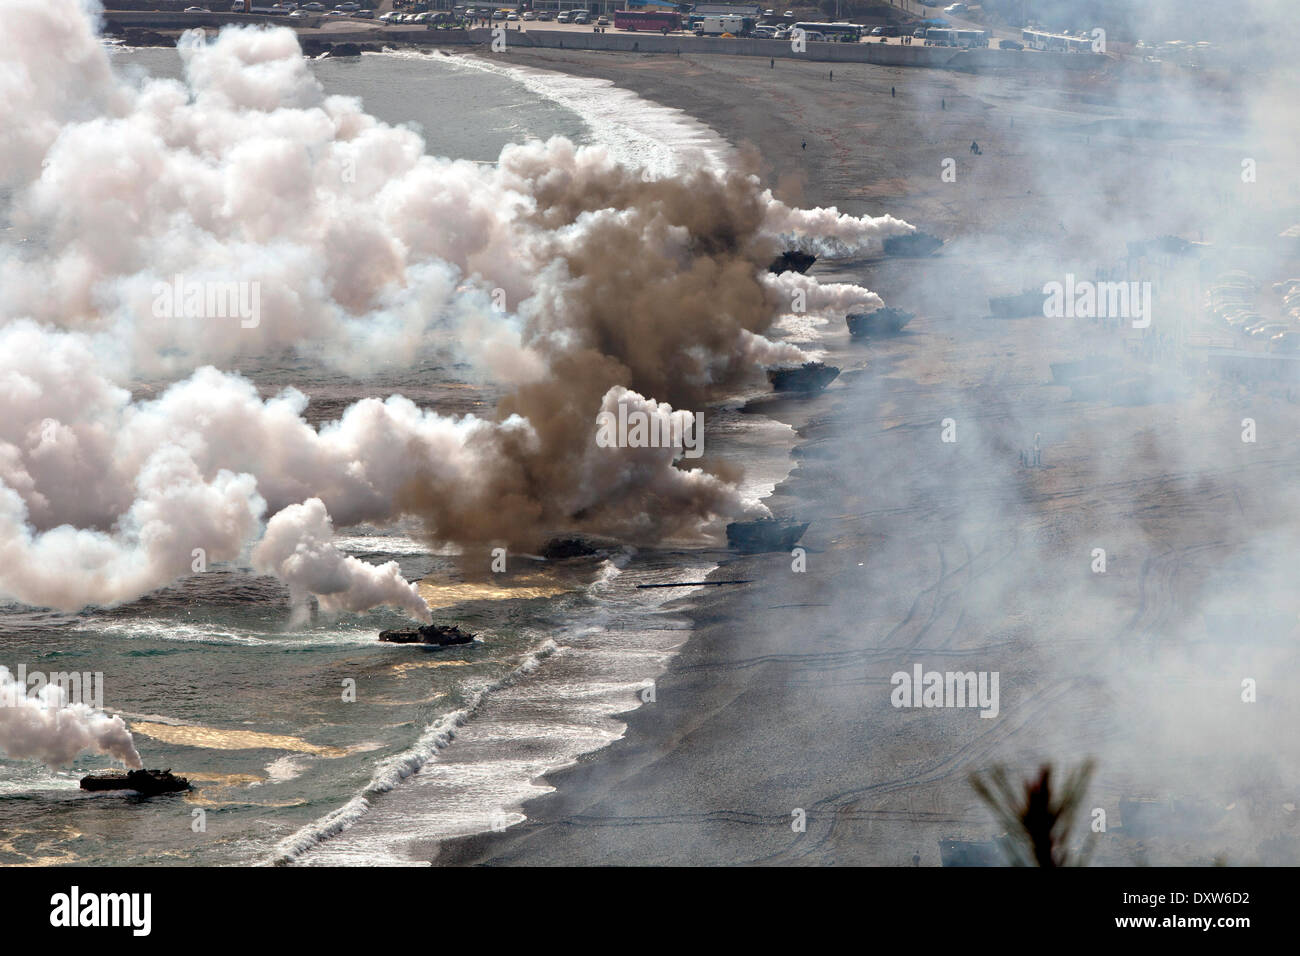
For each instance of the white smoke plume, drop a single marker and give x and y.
(45, 727)
(829, 232)
(823, 297)
(555, 272)
(103, 500)
(363, 250)
(298, 548)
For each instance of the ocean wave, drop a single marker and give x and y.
(163, 630)
(394, 770)
(393, 545)
(661, 140)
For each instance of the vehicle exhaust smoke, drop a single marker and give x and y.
(46, 727)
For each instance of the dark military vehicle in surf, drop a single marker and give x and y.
(886, 321)
(808, 377)
(441, 635)
(148, 783)
(764, 534)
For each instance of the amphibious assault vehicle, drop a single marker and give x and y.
(439, 634)
(148, 783)
(765, 534)
(913, 245)
(886, 321)
(809, 377)
(792, 260)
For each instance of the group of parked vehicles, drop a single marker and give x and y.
(289, 8)
(770, 25)
(1231, 301)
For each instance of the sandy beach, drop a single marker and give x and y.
(953, 554)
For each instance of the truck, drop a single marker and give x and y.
(717, 26)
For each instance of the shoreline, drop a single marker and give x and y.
(714, 613)
(665, 140)
(776, 713)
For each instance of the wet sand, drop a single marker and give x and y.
(953, 554)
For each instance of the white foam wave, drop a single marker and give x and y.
(395, 769)
(165, 630)
(639, 133)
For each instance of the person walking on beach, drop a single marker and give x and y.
(892, 92)
(1038, 452)
(803, 145)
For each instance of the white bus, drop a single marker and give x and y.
(1055, 42)
(834, 32)
(965, 39)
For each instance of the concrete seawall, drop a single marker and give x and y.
(175, 20)
(882, 54)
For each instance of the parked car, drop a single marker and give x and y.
(564, 16)
(582, 17)
(1269, 330)
(1010, 45)
(197, 10)
(313, 7)
(602, 21)
(529, 15)
(499, 15)
(545, 15)
(955, 8)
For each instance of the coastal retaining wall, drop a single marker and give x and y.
(175, 20)
(881, 54)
